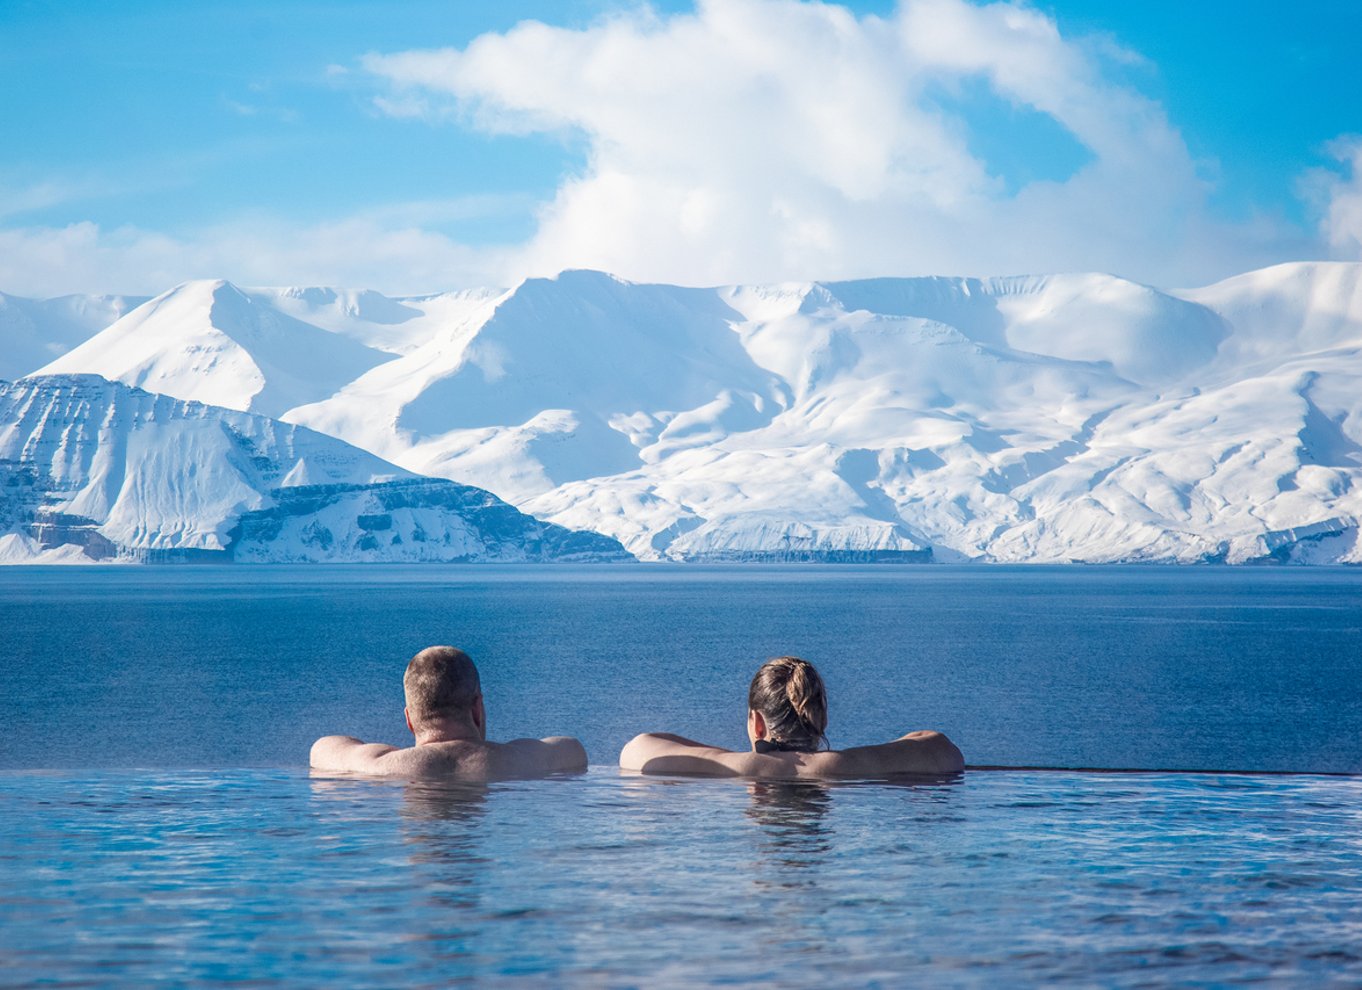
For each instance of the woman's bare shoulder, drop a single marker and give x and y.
(923, 751)
(916, 752)
(663, 752)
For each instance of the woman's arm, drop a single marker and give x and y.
(916, 752)
(662, 752)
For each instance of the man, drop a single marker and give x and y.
(446, 716)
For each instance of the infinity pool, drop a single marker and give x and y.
(226, 863)
(275, 877)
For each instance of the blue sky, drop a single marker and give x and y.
(301, 142)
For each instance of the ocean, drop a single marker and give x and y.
(158, 824)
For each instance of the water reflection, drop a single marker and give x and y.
(797, 837)
(448, 801)
(792, 815)
(794, 839)
(444, 830)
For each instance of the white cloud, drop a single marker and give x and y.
(773, 139)
(361, 251)
(17, 199)
(34, 196)
(1339, 196)
(282, 114)
(751, 140)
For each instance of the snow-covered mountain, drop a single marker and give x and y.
(92, 469)
(1078, 417)
(1047, 418)
(260, 350)
(210, 342)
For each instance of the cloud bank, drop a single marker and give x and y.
(356, 251)
(761, 140)
(772, 139)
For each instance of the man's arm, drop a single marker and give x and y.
(457, 758)
(917, 752)
(534, 757)
(349, 754)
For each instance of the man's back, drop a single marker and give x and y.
(465, 759)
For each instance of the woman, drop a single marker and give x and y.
(787, 713)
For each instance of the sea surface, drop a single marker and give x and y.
(270, 878)
(1124, 667)
(158, 825)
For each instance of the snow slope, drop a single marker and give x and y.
(561, 380)
(126, 474)
(1067, 417)
(396, 326)
(211, 342)
(1041, 418)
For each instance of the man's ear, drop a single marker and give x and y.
(406, 713)
(480, 716)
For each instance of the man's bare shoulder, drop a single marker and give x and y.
(465, 759)
(348, 754)
(535, 757)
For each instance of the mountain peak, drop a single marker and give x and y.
(210, 341)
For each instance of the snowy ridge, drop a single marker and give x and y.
(210, 342)
(1035, 418)
(93, 469)
(396, 326)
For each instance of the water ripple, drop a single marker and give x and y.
(271, 877)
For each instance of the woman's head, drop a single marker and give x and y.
(788, 694)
